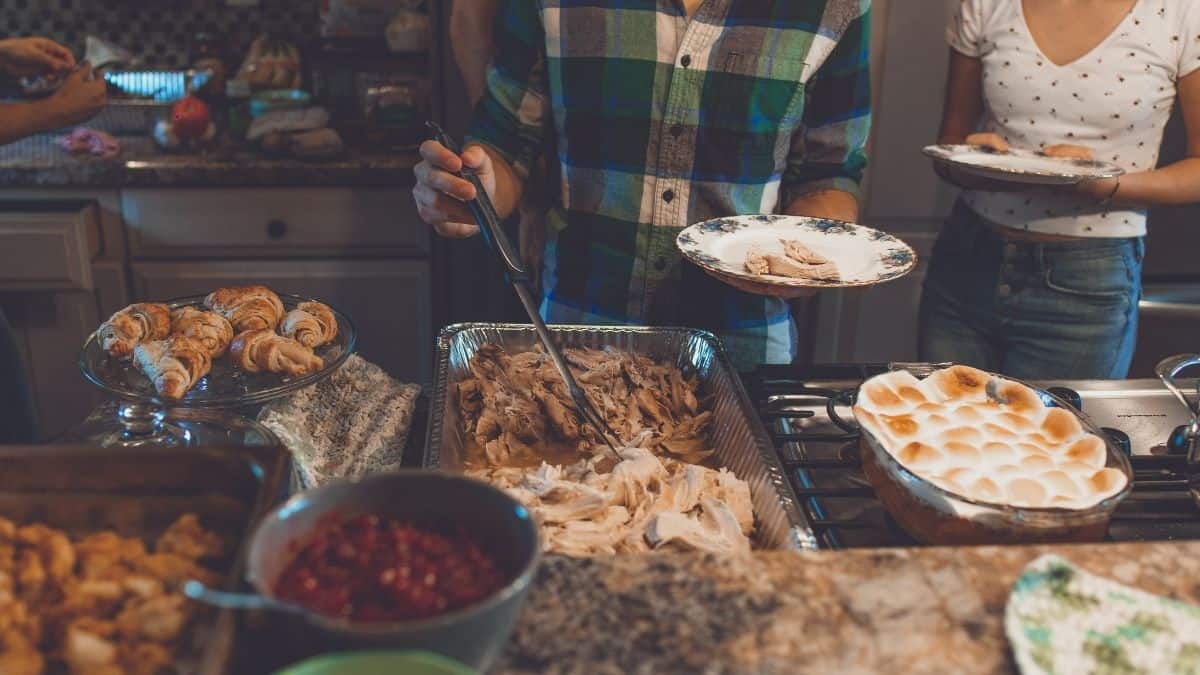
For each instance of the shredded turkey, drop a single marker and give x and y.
(643, 503)
(531, 442)
(516, 405)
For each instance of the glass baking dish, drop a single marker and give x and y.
(933, 515)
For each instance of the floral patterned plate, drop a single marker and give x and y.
(1061, 619)
(863, 256)
(1021, 166)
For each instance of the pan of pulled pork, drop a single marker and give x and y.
(694, 469)
(95, 545)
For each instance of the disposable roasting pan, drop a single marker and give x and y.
(82, 489)
(738, 437)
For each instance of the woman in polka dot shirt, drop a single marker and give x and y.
(1044, 282)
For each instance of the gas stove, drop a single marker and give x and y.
(807, 413)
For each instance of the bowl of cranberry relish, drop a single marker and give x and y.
(413, 559)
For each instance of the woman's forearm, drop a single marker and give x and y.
(1172, 185)
(18, 120)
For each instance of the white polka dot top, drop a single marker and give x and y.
(1115, 100)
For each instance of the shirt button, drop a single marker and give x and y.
(660, 264)
(686, 60)
(677, 130)
(668, 196)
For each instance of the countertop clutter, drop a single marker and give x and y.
(903, 611)
(39, 161)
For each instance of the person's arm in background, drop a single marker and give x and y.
(471, 26)
(506, 131)
(828, 154)
(78, 99)
(1177, 183)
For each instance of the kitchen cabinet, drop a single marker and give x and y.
(52, 281)
(273, 223)
(363, 250)
(388, 300)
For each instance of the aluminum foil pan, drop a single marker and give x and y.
(738, 437)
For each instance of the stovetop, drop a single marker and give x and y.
(807, 412)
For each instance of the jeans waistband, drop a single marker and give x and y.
(971, 224)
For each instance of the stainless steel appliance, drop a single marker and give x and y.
(806, 411)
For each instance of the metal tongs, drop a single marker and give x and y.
(495, 238)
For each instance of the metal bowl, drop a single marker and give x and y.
(475, 634)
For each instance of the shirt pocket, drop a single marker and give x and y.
(753, 102)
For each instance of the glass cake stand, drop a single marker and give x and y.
(144, 418)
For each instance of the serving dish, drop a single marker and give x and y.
(474, 634)
(934, 515)
(738, 438)
(225, 386)
(1020, 166)
(380, 662)
(82, 489)
(863, 256)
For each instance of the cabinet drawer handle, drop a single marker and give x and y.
(276, 229)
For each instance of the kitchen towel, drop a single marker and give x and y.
(1061, 620)
(351, 424)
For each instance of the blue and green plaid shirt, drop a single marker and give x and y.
(660, 122)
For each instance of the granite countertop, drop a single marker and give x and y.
(38, 161)
(895, 611)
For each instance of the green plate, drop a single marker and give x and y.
(379, 663)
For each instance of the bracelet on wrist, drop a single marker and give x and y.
(1107, 202)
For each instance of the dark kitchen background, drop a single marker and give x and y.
(160, 31)
(358, 242)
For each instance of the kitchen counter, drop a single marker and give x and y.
(38, 161)
(894, 611)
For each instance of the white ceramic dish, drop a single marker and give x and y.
(1021, 166)
(863, 256)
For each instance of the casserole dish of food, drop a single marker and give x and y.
(961, 456)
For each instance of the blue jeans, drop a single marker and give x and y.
(1061, 310)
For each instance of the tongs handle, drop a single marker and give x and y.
(485, 213)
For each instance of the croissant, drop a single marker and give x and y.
(210, 328)
(312, 324)
(255, 351)
(135, 324)
(247, 307)
(175, 365)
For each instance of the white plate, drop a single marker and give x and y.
(1021, 166)
(863, 256)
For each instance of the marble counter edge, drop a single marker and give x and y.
(900, 611)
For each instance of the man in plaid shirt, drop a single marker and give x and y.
(665, 113)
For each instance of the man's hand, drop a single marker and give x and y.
(440, 195)
(25, 57)
(78, 99)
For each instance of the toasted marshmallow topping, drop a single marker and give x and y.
(988, 439)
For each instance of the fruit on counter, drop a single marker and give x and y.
(190, 117)
(371, 568)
